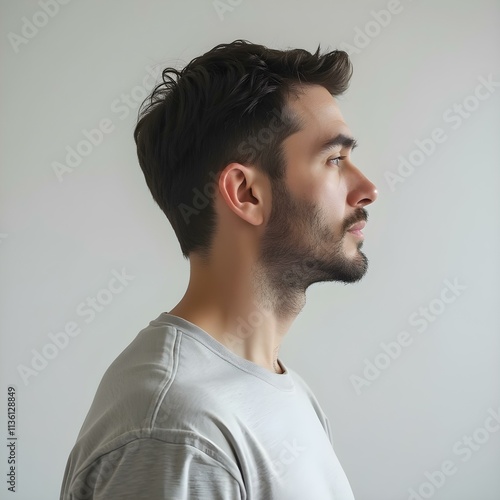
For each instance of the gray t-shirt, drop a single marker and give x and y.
(179, 416)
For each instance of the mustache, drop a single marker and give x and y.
(359, 216)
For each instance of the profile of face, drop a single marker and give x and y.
(307, 238)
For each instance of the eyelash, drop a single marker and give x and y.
(337, 158)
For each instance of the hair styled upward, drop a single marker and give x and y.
(217, 110)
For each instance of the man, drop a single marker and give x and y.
(248, 155)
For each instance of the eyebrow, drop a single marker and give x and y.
(338, 140)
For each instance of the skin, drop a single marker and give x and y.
(274, 240)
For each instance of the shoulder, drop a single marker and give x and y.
(163, 385)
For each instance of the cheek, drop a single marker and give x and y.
(321, 187)
(331, 195)
(303, 187)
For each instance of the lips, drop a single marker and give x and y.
(358, 226)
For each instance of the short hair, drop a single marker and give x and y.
(219, 109)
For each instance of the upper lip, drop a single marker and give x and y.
(358, 226)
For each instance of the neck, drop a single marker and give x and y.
(240, 310)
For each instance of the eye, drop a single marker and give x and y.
(337, 159)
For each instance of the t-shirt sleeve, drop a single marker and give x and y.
(153, 469)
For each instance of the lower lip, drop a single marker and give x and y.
(357, 233)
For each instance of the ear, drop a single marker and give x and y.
(243, 190)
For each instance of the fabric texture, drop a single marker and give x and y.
(179, 416)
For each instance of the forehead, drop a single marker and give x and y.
(320, 119)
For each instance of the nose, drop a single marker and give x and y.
(362, 191)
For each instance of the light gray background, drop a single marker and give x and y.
(60, 241)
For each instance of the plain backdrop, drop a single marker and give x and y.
(422, 70)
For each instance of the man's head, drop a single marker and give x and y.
(231, 148)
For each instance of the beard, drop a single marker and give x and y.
(299, 248)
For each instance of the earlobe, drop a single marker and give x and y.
(240, 190)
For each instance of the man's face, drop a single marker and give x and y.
(307, 239)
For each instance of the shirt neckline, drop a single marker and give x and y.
(282, 381)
